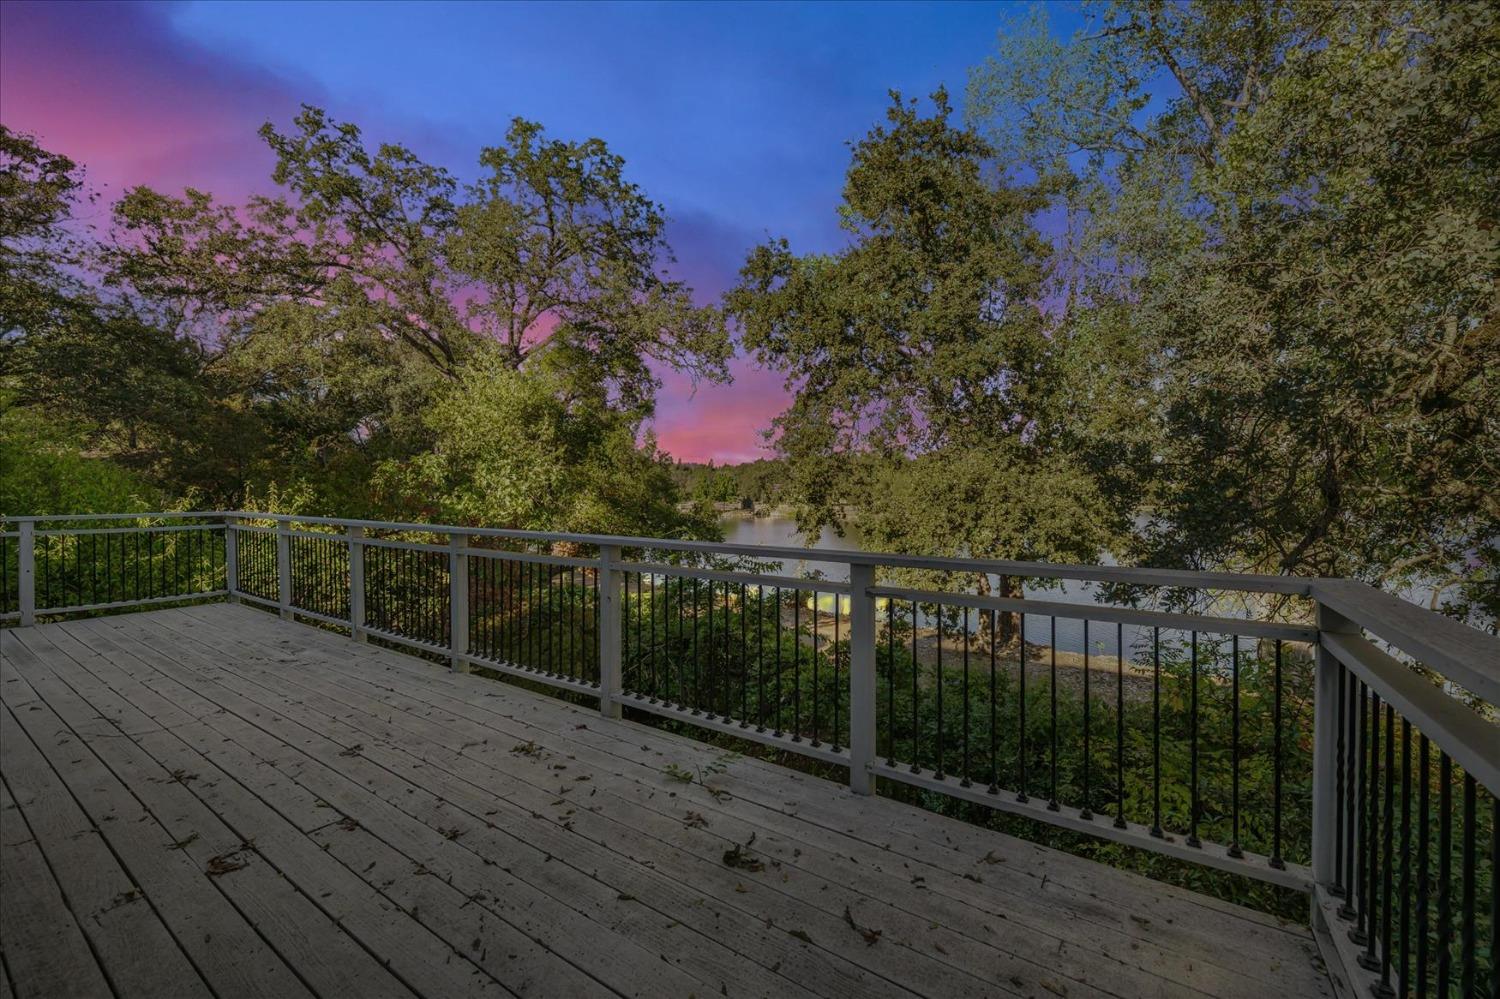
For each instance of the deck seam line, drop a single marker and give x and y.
(334, 921)
(247, 641)
(362, 789)
(281, 697)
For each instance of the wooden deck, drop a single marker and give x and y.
(213, 801)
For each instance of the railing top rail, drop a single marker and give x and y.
(1462, 733)
(1240, 582)
(153, 515)
(1465, 655)
(1243, 627)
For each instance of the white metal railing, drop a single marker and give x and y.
(623, 619)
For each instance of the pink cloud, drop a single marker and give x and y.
(112, 87)
(719, 422)
(115, 88)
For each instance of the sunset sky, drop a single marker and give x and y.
(734, 117)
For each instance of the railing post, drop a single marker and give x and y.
(26, 554)
(357, 584)
(1325, 803)
(284, 568)
(862, 725)
(231, 559)
(611, 687)
(458, 601)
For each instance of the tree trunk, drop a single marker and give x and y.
(1010, 622)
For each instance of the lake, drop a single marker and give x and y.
(782, 531)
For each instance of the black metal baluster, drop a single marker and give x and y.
(1494, 893)
(710, 665)
(890, 684)
(1467, 908)
(723, 657)
(591, 618)
(504, 607)
(697, 675)
(481, 620)
(557, 624)
(994, 787)
(552, 591)
(964, 702)
(543, 618)
(1365, 833)
(1387, 859)
(650, 693)
(1192, 839)
(1424, 831)
(1370, 904)
(797, 665)
(1052, 800)
(1276, 765)
(779, 701)
(682, 644)
(760, 657)
(1337, 888)
(1119, 726)
(1445, 872)
(497, 608)
(837, 608)
(645, 681)
(726, 642)
(1156, 829)
(938, 773)
(744, 657)
(1355, 718)
(569, 581)
(1022, 747)
(524, 610)
(647, 592)
(1234, 749)
(915, 728)
(815, 684)
(1403, 972)
(1085, 812)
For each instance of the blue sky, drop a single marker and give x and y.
(736, 117)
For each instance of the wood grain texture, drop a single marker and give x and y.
(360, 822)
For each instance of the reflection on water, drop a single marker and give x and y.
(1101, 638)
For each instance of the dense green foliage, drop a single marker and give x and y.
(757, 483)
(1264, 339)
(1279, 281)
(919, 358)
(342, 343)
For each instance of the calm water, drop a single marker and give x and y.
(1070, 638)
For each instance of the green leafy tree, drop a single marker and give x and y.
(1279, 275)
(313, 338)
(38, 193)
(509, 451)
(922, 372)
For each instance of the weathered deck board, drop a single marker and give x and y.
(1106, 914)
(45, 949)
(635, 814)
(122, 928)
(447, 835)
